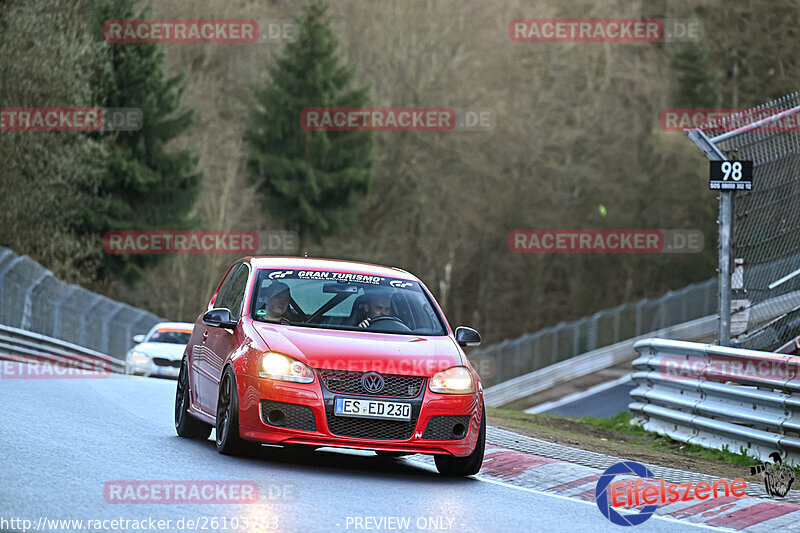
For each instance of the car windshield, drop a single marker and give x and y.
(339, 300)
(171, 336)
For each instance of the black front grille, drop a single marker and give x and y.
(442, 427)
(288, 415)
(160, 361)
(366, 428)
(345, 382)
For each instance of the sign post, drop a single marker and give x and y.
(725, 222)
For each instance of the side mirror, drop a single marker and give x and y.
(138, 338)
(467, 336)
(219, 318)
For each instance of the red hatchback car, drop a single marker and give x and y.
(314, 352)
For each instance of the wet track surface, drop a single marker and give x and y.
(63, 440)
(603, 404)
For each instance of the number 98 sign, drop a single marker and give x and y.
(731, 175)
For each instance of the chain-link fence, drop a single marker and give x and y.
(31, 298)
(765, 235)
(512, 358)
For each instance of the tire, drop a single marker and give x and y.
(228, 440)
(186, 425)
(448, 465)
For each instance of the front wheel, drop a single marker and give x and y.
(186, 425)
(465, 466)
(228, 440)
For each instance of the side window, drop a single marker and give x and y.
(233, 294)
(226, 285)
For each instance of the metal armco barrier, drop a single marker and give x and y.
(719, 397)
(585, 364)
(20, 345)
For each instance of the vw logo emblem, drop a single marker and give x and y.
(372, 382)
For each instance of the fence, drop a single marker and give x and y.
(764, 255)
(760, 269)
(530, 352)
(26, 346)
(32, 299)
(719, 397)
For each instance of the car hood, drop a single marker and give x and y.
(161, 349)
(363, 352)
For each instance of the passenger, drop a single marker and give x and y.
(273, 302)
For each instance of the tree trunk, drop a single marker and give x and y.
(303, 251)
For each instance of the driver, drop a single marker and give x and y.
(378, 305)
(273, 302)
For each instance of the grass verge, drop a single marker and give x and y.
(617, 436)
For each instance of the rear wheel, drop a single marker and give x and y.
(185, 424)
(465, 466)
(228, 440)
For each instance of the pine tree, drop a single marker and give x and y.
(144, 187)
(311, 181)
(697, 85)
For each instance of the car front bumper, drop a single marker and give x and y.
(152, 369)
(253, 423)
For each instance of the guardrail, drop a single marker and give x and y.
(719, 397)
(588, 363)
(26, 346)
(579, 366)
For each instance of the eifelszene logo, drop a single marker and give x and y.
(607, 508)
(632, 493)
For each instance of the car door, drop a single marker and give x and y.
(202, 368)
(220, 342)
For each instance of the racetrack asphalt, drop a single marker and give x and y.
(63, 440)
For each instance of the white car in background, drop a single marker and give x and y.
(159, 352)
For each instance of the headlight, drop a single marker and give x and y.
(278, 366)
(456, 380)
(139, 358)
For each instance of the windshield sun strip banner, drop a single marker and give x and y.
(326, 275)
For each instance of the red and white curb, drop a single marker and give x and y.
(577, 481)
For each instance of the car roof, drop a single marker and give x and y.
(337, 265)
(176, 325)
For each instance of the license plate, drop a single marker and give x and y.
(372, 409)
